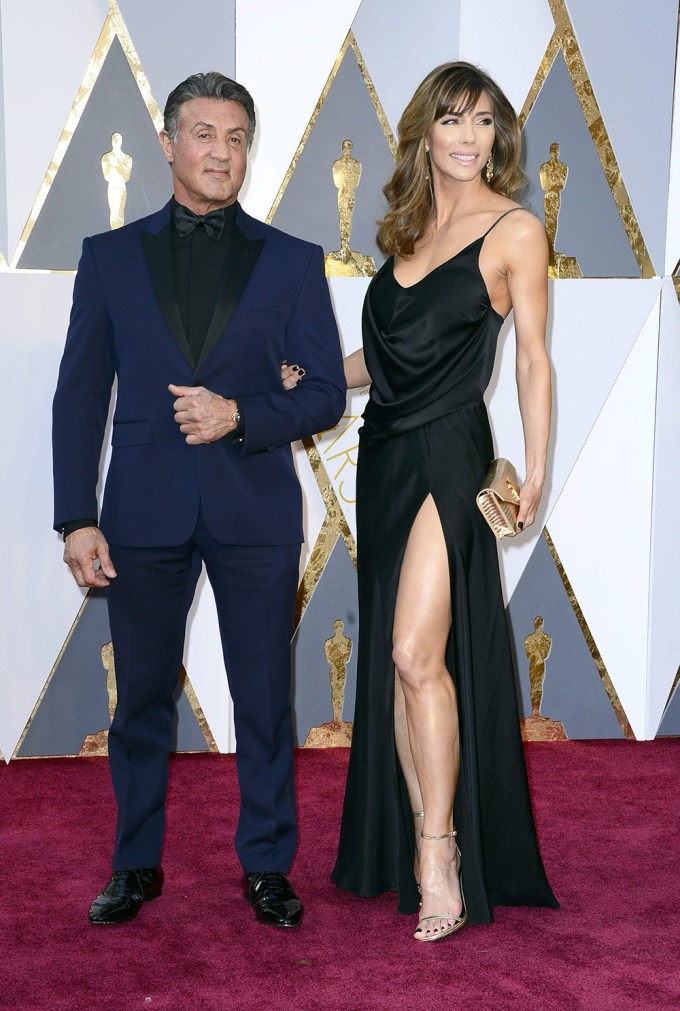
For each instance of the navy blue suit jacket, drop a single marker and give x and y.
(125, 323)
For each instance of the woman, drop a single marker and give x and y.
(436, 721)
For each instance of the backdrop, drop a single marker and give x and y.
(591, 590)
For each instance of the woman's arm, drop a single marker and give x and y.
(356, 372)
(527, 273)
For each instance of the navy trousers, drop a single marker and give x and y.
(148, 601)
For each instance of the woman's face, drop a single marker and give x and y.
(460, 142)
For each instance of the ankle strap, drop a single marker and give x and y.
(447, 835)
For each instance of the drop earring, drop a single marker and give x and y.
(489, 169)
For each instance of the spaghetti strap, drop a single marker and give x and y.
(511, 211)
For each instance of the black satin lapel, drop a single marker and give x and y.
(241, 261)
(158, 253)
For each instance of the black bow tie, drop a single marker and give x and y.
(186, 221)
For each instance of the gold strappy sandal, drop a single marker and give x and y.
(457, 921)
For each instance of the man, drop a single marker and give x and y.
(193, 309)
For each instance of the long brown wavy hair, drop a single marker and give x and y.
(452, 87)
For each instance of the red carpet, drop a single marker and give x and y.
(607, 815)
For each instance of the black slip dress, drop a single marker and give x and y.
(430, 351)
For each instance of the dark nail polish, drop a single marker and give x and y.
(302, 372)
(520, 525)
(295, 368)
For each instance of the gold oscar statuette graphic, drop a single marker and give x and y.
(97, 744)
(337, 733)
(537, 647)
(553, 175)
(116, 169)
(344, 262)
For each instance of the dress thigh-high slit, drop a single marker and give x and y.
(437, 441)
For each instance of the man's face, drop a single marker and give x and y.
(210, 156)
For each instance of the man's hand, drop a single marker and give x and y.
(202, 416)
(81, 549)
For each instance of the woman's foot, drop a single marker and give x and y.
(443, 908)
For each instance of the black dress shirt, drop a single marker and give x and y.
(199, 263)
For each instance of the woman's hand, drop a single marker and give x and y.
(291, 375)
(529, 498)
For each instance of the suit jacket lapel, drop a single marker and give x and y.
(158, 253)
(243, 256)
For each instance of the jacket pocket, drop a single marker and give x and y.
(131, 433)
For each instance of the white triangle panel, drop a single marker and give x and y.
(664, 627)
(284, 55)
(339, 447)
(39, 599)
(45, 50)
(339, 451)
(601, 525)
(314, 508)
(402, 42)
(623, 44)
(347, 296)
(508, 40)
(592, 326)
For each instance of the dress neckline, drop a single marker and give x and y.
(410, 287)
(480, 238)
(407, 287)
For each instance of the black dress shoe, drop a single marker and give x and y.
(272, 898)
(125, 894)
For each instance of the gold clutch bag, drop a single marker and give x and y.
(498, 498)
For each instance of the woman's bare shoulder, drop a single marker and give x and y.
(523, 221)
(520, 230)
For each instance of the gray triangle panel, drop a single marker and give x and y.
(573, 693)
(335, 598)
(309, 205)
(77, 202)
(75, 703)
(623, 44)
(670, 724)
(160, 34)
(589, 226)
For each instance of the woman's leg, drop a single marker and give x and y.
(403, 746)
(422, 624)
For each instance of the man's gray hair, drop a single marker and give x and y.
(210, 85)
